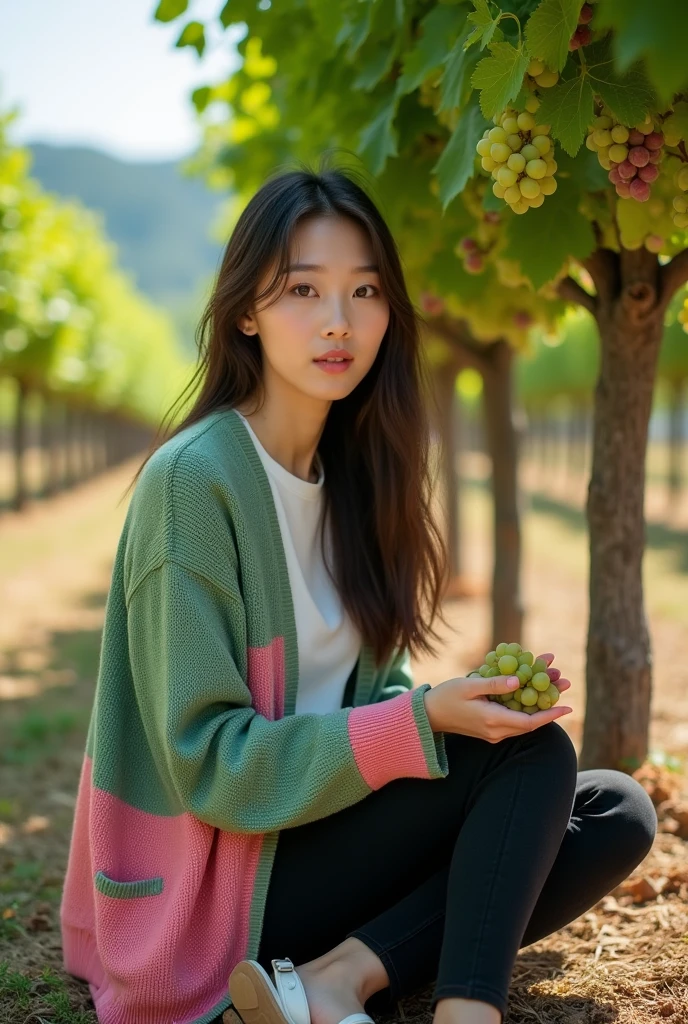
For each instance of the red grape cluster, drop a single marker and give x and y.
(631, 155)
(473, 256)
(583, 34)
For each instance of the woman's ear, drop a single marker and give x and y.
(247, 324)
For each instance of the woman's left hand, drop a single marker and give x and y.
(555, 674)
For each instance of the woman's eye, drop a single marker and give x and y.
(296, 289)
(366, 286)
(304, 295)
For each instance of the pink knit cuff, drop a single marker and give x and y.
(393, 739)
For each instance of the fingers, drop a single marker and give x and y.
(548, 658)
(562, 684)
(554, 674)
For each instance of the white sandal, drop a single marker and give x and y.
(259, 1000)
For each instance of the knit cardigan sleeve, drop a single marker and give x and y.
(232, 767)
(217, 756)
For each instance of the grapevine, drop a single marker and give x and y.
(519, 155)
(631, 155)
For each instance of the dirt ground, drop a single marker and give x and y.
(626, 960)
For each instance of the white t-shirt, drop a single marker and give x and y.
(328, 642)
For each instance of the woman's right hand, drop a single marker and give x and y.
(461, 705)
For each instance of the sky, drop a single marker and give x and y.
(106, 75)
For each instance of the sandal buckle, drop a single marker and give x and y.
(283, 966)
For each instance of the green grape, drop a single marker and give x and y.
(602, 138)
(536, 168)
(527, 658)
(530, 152)
(543, 702)
(507, 664)
(618, 152)
(514, 142)
(682, 179)
(510, 125)
(548, 186)
(531, 709)
(505, 697)
(542, 144)
(501, 650)
(537, 200)
(516, 162)
(539, 665)
(520, 206)
(540, 681)
(529, 188)
(516, 694)
(547, 79)
(513, 705)
(620, 133)
(483, 147)
(680, 204)
(540, 130)
(554, 694)
(681, 221)
(487, 163)
(497, 135)
(494, 671)
(525, 121)
(471, 674)
(535, 68)
(529, 696)
(506, 177)
(532, 104)
(491, 658)
(498, 190)
(514, 650)
(590, 142)
(602, 122)
(483, 670)
(500, 152)
(524, 674)
(552, 167)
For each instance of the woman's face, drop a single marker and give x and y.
(332, 300)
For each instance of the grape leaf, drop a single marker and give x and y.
(485, 26)
(499, 77)
(375, 67)
(543, 238)
(629, 96)
(168, 10)
(457, 69)
(432, 48)
(457, 163)
(568, 108)
(193, 34)
(378, 139)
(656, 33)
(549, 31)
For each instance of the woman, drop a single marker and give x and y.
(262, 785)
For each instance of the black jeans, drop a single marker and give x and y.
(445, 879)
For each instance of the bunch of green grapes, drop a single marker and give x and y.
(631, 155)
(519, 155)
(680, 202)
(536, 691)
(538, 74)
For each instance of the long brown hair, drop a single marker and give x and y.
(390, 559)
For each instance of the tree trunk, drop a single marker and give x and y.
(619, 660)
(502, 443)
(446, 416)
(19, 432)
(676, 414)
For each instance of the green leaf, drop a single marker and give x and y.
(568, 108)
(549, 31)
(457, 70)
(193, 35)
(485, 25)
(499, 77)
(491, 202)
(378, 140)
(656, 32)
(630, 95)
(457, 163)
(375, 67)
(543, 238)
(168, 10)
(431, 49)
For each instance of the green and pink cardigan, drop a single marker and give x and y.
(195, 759)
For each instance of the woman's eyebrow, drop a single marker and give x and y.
(369, 268)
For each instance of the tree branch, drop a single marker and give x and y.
(457, 334)
(603, 267)
(570, 290)
(671, 276)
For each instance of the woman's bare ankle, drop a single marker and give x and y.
(465, 1011)
(357, 962)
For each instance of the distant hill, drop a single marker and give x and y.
(158, 218)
